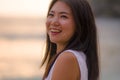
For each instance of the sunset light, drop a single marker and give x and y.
(23, 7)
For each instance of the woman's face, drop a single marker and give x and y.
(60, 23)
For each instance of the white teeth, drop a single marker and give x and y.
(54, 30)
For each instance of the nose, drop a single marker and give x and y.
(55, 21)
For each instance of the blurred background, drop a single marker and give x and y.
(22, 38)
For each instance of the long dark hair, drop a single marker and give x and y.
(84, 38)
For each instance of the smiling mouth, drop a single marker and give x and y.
(55, 31)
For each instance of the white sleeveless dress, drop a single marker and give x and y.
(81, 58)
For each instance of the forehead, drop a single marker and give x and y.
(60, 6)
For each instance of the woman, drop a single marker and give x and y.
(71, 50)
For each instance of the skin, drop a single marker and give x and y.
(60, 28)
(60, 25)
(66, 67)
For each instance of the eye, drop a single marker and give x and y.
(50, 15)
(64, 16)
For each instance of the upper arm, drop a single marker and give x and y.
(66, 67)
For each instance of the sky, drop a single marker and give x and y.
(23, 7)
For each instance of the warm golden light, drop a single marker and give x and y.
(23, 39)
(23, 7)
(20, 57)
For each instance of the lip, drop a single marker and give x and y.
(55, 31)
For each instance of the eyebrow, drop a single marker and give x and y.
(62, 12)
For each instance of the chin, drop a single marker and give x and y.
(53, 41)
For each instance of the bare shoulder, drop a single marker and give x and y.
(66, 56)
(66, 67)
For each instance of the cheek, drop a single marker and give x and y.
(70, 30)
(69, 27)
(48, 21)
(47, 25)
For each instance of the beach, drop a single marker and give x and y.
(22, 45)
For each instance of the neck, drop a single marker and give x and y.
(60, 48)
